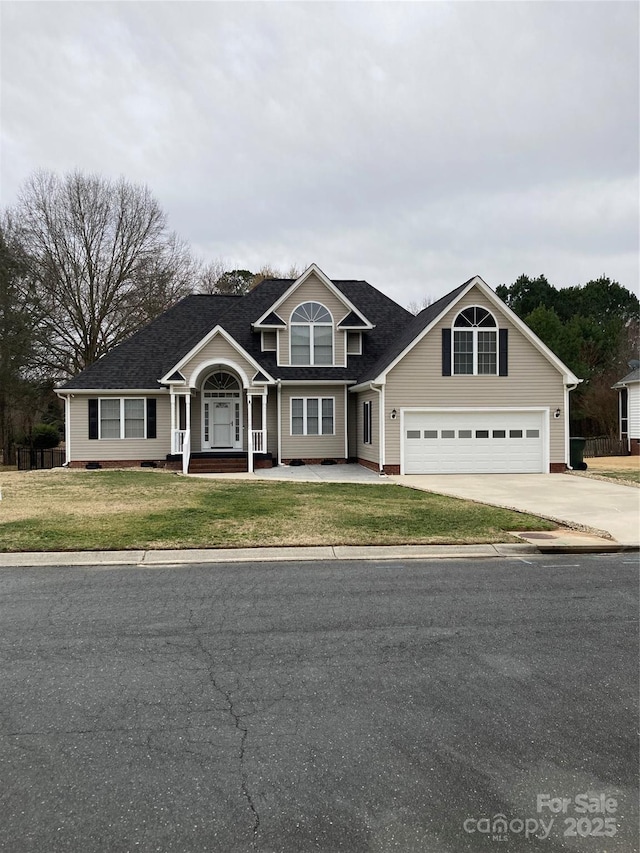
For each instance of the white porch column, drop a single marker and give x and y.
(264, 423)
(187, 406)
(172, 399)
(250, 433)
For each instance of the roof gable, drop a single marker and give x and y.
(425, 321)
(193, 352)
(313, 270)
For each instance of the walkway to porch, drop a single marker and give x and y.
(342, 473)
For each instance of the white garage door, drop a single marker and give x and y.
(473, 442)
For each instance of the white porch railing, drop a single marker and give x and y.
(258, 442)
(177, 440)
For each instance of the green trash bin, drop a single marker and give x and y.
(576, 449)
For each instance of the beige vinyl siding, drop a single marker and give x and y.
(313, 446)
(417, 380)
(83, 449)
(272, 423)
(370, 452)
(633, 400)
(352, 424)
(196, 422)
(217, 348)
(313, 290)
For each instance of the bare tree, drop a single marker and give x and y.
(209, 275)
(104, 261)
(416, 306)
(216, 277)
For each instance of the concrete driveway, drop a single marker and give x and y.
(601, 506)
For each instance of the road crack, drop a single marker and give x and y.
(240, 726)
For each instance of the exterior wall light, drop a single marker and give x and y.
(556, 414)
(394, 414)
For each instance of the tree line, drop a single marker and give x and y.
(594, 329)
(86, 261)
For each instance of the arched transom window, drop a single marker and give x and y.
(311, 334)
(222, 384)
(475, 342)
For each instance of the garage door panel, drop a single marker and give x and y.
(473, 442)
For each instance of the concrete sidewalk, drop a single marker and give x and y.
(561, 541)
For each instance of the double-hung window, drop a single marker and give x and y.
(311, 335)
(122, 417)
(312, 415)
(475, 342)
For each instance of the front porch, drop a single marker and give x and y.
(211, 462)
(218, 423)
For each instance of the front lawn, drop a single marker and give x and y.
(114, 510)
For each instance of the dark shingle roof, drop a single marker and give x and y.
(143, 359)
(274, 320)
(634, 376)
(351, 321)
(410, 331)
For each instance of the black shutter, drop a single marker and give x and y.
(446, 352)
(93, 418)
(503, 352)
(151, 417)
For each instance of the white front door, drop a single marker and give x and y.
(221, 424)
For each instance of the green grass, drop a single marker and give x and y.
(80, 510)
(630, 476)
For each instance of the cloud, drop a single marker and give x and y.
(402, 142)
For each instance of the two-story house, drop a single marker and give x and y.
(317, 370)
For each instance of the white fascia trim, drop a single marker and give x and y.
(366, 386)
(106, 392)
(301, 382)
(476, 281)
(314, 268)
(217, 330)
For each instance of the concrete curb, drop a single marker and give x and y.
(152, 559)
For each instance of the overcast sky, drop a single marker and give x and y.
(411, 144)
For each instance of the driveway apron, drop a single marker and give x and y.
(601, 506)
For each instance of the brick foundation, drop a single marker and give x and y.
(634, 446)
(372, 466)
(314, 460)
(120, 463)
(557, 468)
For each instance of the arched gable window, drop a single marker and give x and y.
(475, 342)
(311, 335)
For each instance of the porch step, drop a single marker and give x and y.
(218, 465)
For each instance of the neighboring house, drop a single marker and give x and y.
(628, 389)
(319, 370)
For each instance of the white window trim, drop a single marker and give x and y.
(474, 330)
(367, 425)
(310, 326)
(346, 343)
(122, 436)
(305, 400)
(262, 343)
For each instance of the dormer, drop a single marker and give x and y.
(312, 322)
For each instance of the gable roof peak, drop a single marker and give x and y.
(313, 269)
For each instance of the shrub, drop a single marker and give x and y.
(44, 436)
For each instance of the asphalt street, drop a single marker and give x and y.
(431, 706)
